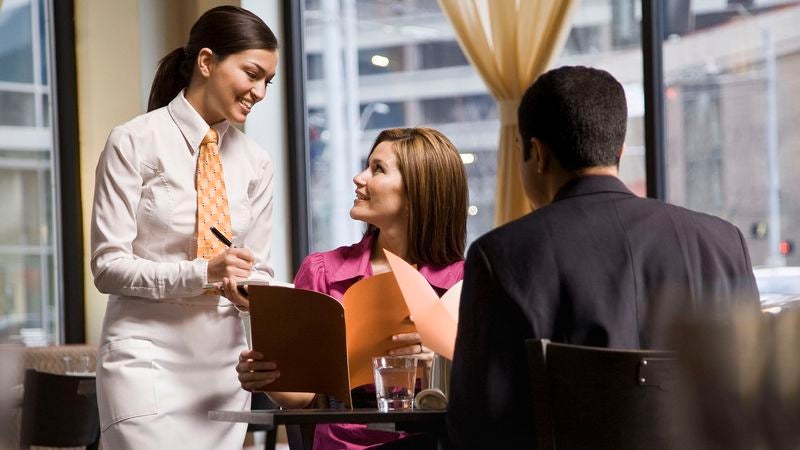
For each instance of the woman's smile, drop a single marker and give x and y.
(380, 192)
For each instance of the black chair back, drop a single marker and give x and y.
(588, 397)
(59, 411)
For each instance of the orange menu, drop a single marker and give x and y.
(374, 310)
(436, 320)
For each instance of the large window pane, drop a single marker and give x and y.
(19, 108)
(29, 304)
(732, 80)
(16, 47)
(374, 64)
(607, 34)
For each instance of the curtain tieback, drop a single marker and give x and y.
(508, 111)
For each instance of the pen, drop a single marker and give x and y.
(227, 243)
(221, 236)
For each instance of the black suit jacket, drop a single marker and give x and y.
(598, 266)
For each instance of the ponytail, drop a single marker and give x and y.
(173, 74)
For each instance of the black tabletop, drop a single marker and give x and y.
(316, 416)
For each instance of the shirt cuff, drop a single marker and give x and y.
(201, 265)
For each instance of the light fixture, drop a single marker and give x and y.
(374, 107)
(380, 61)
(468, 158)
(472, 210)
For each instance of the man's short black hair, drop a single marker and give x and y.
(579, 112)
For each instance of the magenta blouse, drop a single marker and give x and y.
(332, 273)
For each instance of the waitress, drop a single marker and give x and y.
(168, 347)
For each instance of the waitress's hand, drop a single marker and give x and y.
(232, 263)
(254, 372)
(235, 293)
(413, 347)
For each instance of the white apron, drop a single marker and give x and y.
(168, 353)
(162, 365)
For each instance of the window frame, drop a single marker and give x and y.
(654, 107)
(296, 124)
(66, 152)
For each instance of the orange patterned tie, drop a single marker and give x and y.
(212, 203)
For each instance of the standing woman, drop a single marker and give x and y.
(168, 347)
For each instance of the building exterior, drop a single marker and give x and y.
(398, 64)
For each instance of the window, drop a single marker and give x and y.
(702, 145)
(606, 34)
(434, 55)
(29, 300)
(374, 64)
(732, 89)
(373, 61)
(466, 108)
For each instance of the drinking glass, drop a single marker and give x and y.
(395, 377)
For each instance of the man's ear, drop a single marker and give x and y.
(621, 152)
(540, 154)
(206, 62)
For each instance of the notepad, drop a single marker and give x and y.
(257, 278)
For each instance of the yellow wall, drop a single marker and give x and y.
(107, 62)
(109, 45)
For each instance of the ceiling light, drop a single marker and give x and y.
(380, 61)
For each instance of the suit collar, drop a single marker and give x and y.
(592, 184)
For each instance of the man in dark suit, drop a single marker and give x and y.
(592, 265)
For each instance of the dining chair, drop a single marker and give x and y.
(598, 398)
(59, 411)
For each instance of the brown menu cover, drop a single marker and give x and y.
(304, 333)
(374, 310)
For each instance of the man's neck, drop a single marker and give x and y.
(599, 170)
(563, 177)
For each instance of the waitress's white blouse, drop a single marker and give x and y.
(168, 352)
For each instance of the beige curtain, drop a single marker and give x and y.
(510, 43)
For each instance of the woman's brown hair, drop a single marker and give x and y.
(435, 184)
(225, 30)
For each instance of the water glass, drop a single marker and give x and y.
(77, 366)
(395, 377)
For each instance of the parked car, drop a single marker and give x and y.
(779, 287)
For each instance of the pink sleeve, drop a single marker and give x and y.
(311, 274)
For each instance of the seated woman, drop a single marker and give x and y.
(413, 196)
